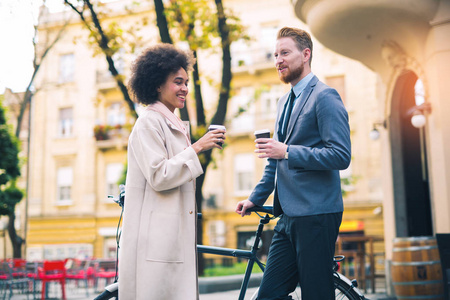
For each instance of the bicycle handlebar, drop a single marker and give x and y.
(261, 209)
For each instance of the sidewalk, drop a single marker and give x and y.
(227, 289)
(228, 295)
(231, 295)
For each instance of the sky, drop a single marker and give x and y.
(16, 49)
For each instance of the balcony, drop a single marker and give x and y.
(104, 80)
(359, 29)
(112, 137)
(252, 60)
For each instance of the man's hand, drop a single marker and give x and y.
(242, 207)
(270, 148)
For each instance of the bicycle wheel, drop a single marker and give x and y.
(296, 295)
(110, 292)
(343, 290)
(106, 295)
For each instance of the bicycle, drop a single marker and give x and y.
(344, 287)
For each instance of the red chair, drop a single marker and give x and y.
(19, 267)
(8, 281)
(105, 270)
(79, 270)
(53, 271)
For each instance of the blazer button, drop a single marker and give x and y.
(191, 212)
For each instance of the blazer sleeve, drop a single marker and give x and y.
(334, 152)
(162, 172)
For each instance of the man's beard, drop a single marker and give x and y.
(291, 75)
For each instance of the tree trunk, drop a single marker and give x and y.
(219, 117)
(199, 200)
(16, 240)
(103, 43)
(201, 121)
(161, 22)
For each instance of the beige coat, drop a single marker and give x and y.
(158, 254)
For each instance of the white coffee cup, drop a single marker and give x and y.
(214, 127)
(263, 133)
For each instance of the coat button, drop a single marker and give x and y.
(191, 212)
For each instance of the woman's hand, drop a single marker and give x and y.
(212, 139)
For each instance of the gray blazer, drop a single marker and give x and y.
(318, 135)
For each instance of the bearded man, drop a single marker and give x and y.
(311, 143)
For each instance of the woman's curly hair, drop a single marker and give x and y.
(152, 68)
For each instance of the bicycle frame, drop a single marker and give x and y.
(111, 291)
(248, 254)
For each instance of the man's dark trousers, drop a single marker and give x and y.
(302, 252)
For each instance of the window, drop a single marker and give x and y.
(217, 231)
(116, 114)
(66, 68)
(119, 60)
(242, 110)
(347, 179)
(64, 184)
(338, 83)
(110, 247)
(113, 174)
(244, 166)
(267, 40)
(269, 101)
(65, 122)
(419, 92)
(241, 55)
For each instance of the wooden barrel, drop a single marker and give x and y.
(416, 269)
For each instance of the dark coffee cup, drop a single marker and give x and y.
(214, 127)
(263, 133)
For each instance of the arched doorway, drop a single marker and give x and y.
(412, 204)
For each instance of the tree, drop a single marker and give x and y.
(24, 101)
(10, 195)
(192, 22)
(106, 39)
(38, 59)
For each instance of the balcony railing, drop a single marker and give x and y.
(108, 136)
(252, 60)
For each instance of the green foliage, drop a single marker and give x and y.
(123, 177)
(237, 268)
(9, 198)
(10, 195)
(105, 132)
(191, 21)
(347, 183)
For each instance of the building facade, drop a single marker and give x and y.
(407, 44)
(80, 126)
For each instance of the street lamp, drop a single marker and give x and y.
(418, 120)
(418, 113)
(374, 133)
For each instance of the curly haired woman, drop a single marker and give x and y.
(158, 257)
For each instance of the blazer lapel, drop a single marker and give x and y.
(299, 106)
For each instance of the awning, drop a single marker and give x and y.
(354, 225)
